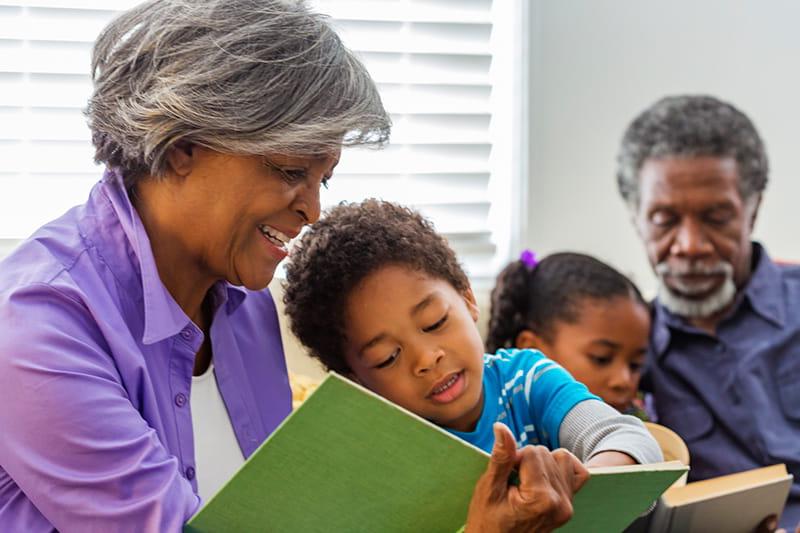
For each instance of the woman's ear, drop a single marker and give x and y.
(472, 303)
(528, 339)
(180, 158)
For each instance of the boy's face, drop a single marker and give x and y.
(605, 348)
(412, 339)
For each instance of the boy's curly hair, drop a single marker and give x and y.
(349, 243)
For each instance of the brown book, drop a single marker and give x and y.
(735, 503)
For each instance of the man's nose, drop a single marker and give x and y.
(690, 240)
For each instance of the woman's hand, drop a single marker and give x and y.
(543, 499)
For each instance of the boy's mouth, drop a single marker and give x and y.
(448, 388)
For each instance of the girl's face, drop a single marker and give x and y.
(605, 348)
(412, 339)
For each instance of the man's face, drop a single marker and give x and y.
(696, 229)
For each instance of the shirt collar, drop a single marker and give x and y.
(763, 292)
(163, 317)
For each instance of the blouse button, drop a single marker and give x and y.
(180, 399)
(190, 473)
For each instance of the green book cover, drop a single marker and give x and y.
(348, 460)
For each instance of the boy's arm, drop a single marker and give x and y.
(600, 436)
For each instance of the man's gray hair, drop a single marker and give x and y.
(691, 126)
(246, 77)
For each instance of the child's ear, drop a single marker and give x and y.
(528, 339)
(472, 303)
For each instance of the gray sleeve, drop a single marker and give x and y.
(592, 427)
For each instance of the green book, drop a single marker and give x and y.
(348, 460)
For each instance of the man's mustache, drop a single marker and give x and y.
(679, 273)
(697, 269)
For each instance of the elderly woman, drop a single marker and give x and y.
(140, 356)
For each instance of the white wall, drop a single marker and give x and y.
(595, 64)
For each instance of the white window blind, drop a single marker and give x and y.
(442, 67)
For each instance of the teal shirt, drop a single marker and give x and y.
(527, 392)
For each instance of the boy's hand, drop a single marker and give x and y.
(543, 499)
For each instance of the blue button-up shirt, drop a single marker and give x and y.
(96, 362)
(734, 397)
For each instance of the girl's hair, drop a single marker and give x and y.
(248, 77)
(349, 243)
(537, 297)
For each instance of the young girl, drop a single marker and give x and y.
(582, 313)
(378, 296)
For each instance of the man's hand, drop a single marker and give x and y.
(543, 499)
(770, 525)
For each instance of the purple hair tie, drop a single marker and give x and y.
(528, 258)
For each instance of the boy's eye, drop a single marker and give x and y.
(601, 360)
(389, 360)
(635, 367)
(436, 325)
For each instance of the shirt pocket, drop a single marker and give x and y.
(788, 383)
(694, 423)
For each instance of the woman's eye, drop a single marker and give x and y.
(289, 175)
(388, 361)
(293, 175)
(436, 325)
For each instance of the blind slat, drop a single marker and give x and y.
(432, 61)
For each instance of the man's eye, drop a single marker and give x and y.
(718, 218)
(662, 219)
(325, 181)
(436, 325)
(388, 361)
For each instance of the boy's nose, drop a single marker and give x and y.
(427, 361)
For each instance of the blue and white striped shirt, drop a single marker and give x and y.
(529, 393)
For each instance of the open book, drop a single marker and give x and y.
(349, 460)
(735, 503)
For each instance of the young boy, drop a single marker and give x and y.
(378, 296)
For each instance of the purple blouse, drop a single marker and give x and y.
(96, 362)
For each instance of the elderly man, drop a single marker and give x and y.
(724, 360)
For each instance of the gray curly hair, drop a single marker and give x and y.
(688, 126)
(243, 77)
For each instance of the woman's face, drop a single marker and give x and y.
(235, 214)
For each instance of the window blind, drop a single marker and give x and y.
(435, 63)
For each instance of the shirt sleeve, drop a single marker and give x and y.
(551, 393)
(593, 427)
(72, 440)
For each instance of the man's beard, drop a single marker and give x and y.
(680, 305)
